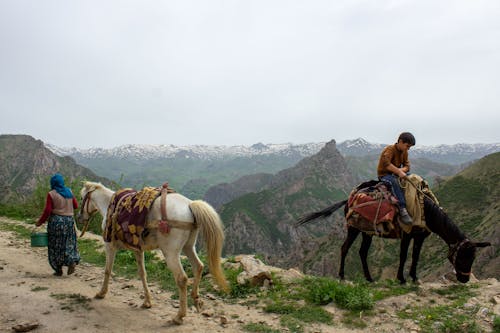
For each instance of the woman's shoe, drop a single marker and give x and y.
(71, 269)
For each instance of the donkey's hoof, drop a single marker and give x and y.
(146, 305)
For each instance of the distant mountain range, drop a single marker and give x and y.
(452, 154)
(193, 170)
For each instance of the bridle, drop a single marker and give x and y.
(453, 252)
(85, 209)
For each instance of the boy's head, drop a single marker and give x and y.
(407, 137)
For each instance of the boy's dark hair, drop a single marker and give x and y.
(407, 137)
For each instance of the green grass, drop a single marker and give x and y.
(259, 328)
(451, 317)
(496, 324)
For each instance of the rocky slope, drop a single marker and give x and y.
(263, 222)
(24, 162)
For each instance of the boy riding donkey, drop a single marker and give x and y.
(394, 165)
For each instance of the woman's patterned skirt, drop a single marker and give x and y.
(62, 244)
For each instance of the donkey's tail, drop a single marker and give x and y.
(322, 213)
(211, 228)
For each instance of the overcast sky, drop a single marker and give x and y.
(106, 73)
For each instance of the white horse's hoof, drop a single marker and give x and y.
(198, 303)
(178, 321)
(100, 295)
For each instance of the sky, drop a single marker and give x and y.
(87, 73)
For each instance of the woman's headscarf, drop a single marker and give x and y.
(57, 183)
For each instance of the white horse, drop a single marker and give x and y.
(189, 216)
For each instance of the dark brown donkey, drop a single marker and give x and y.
(461, 252)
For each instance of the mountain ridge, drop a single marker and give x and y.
(462, 152)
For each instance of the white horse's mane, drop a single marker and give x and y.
(96, 185)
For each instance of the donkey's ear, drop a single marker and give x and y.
(482, 244)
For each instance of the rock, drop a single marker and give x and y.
(25, 327)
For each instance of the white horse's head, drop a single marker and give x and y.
(89, 206)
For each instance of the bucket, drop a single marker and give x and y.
(39, 239)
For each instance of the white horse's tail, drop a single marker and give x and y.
(211, 228)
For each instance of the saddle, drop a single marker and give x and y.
(373, 208)
(126, 216)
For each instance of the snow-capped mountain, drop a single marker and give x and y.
(206, 152)
(452, 154)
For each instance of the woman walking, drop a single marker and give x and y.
(59, 210)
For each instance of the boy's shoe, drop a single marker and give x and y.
(405, 217)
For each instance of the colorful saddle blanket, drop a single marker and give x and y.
(374, 202)
(373, 209)
(126, 216)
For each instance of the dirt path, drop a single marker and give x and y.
(29, 293)
(27, 285)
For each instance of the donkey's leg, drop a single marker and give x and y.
(110, 259)
(403, 254)
(139, 258)
(172, 257)
(363, 254)
(197, 266)
(417, 247)
(352, 234)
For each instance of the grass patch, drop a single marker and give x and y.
(449, 318)
(259, 328)
(496, 324)
(390, 288)
(71, 302)
(20, 230)
(353, 297)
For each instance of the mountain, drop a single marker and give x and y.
(193, 169)
(449, 154)
(263, 222)
(25, 161)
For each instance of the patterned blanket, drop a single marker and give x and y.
(126, 216)
(372, 208)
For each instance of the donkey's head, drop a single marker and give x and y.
(462, 255)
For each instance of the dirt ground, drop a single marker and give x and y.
(30, 294)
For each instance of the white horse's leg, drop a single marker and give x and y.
(110, 259)
(139, 258)
(172, 258)
(197, 266)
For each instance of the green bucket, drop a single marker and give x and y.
(39, 239)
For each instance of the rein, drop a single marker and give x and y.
(452, 254)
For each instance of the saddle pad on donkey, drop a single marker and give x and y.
(126, 216)
(372, 209)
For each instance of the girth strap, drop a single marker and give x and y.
(165, 224)
(163, 202)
